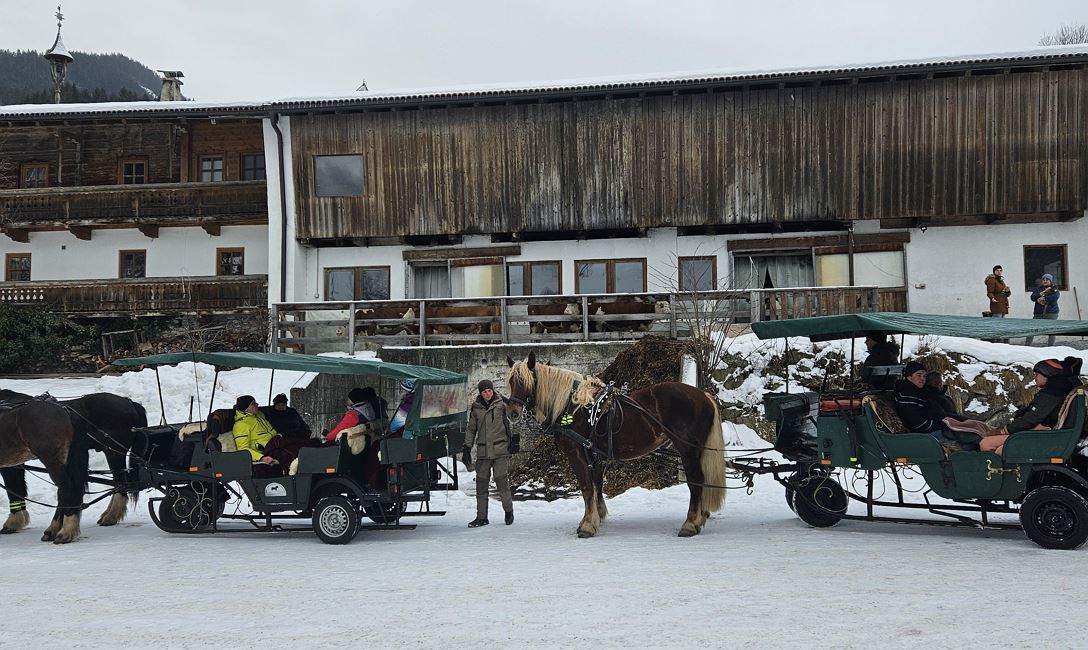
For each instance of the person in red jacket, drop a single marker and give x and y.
(360, 411)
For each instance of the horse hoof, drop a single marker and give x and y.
(104, 522)
(688, 531)
(583, 533)
(48, 537)
(7, 530)
(62, 540)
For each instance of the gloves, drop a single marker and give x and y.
(466, 456)
(515, 444)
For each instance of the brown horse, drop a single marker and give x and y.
(107, 420)
(44, 430)
(630, 426)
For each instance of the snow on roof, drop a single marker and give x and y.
(1035, 56)
(58, 49)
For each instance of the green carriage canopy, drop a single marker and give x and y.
(302, 362)
(846, 326)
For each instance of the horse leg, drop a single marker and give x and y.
(598, 488)
(576, 456)
(50, 532)
(694, 472)
(15, 482)
(118, 505)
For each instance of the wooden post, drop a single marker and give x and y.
(351, 328)
(672, 313)
(585, 318)
(422, 323)
(505, 323)
(274, 313)
(756, 311)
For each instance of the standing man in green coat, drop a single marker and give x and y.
(489, 431)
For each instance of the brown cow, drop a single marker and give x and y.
(408, 324)
(493, 326)
(555, 309)
(625, 306)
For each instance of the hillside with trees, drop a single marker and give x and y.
(24, 79)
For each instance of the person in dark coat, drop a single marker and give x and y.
(1056, 379)
(998, 293)
(913, 405)
(937, 393)
(1045, 298)
(285, 419)
(882, 352)
(489, 432)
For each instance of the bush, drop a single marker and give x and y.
(33, 337)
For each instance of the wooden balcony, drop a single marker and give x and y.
(210, 205)
(347, 326)
(142, 297)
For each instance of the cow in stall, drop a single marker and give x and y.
(407, 318)
(554, 309)
(491, 326)
(627, 306)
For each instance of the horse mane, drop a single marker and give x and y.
(551, 387)
(586, 392)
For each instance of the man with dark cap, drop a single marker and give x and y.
(489, 432)
(1055, 379)
(917, 412)
(285, 419)
(882, 352)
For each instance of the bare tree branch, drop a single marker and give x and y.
(1066, 35)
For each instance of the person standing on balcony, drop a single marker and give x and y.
(1045, 298)
(998, 293)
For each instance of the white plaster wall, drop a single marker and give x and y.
(296, 259)
(946, 266)
(176, 251)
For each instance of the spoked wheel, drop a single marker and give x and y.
(1055, 517)
(383, 513)
(336, 520)
(819, 500)
(185, 510)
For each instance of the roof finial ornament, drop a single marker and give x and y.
(58, 58)
(60, 17)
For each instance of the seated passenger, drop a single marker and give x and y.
(285, 419)
(918, 413)
(253, 433)
(396, 425)
(220, 421)
(360, 411)
(882, 352)
(1055, 379)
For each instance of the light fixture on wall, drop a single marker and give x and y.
(923, 228)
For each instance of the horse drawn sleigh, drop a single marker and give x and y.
(841, 447)
(204, 487)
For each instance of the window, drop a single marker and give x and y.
(132, 264)
(610, 276)
(338, 175)
(697, 273)
(230, 261)
(133, 172)
(211, 169)
(35, 175)
(17, 267)
(358, 283)
(773, 269)
(1045, 259)
(253, 167)
(534, 279)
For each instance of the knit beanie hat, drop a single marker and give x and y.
(1047, 276)
(485, 384)
(1049, 368)
(281, 398)
(356, 395)
(243, 402)
(911, 368)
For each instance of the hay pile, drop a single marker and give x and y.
(544, 472)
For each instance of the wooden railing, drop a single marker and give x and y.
(152, 203)
(144, 296)
(518, 319)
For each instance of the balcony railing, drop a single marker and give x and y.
(144, 296)
(348, 326)
(159, 203)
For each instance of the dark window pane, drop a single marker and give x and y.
(133, 264)
(231, 262)
(1044, 259)
(375, 283)
(515, 280)
(253, 167)
(18, 268)
(211, 170)
(338, 175)
(593, 277)
(697, 274)
(134, 173)
(545, 279)
(341, 284)
(630, 277)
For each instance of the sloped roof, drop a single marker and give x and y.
(847, 326)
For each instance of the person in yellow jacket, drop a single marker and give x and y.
(254, 434)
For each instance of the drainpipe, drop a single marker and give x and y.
(275, 118)
(850, 251)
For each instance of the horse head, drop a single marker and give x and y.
(521, 383)
(543, 388)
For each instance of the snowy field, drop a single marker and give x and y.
(756, 577)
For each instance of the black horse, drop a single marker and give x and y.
(44, 430)
(630, 426)
(107, 422)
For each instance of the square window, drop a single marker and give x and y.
(253, 167)
(230, 261)
(533, 278)
(357, 283)
(17, 267)
(338, 175)
(133, 172)
(133, 264)
(1050, 259)
(34, 175)
(211, 169)
(610, 276)
(697, 273)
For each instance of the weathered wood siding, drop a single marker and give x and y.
(230, 140)
(968, 145)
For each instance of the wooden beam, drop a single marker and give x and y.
(781, 243)
(81, 232)
(21, 235)
(459, 253)
(212, 229)
(151, 230)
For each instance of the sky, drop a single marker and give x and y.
(240, 50)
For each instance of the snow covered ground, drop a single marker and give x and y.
(756, 577)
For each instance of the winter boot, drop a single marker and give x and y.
(509, 517)
(477, 522)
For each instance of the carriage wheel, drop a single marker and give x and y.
(183, 510)
(336, 519)
(819, 501)
(791, 483)
(1055, 517)
(383, 513)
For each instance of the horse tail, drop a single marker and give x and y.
(141, 415)
(712, 462)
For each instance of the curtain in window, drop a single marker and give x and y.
(772, 271)
(431, 282)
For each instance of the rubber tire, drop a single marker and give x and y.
(383, 513)
(1055, 517)
(791, 482)
(819, 501)
(336, 519)
(176, 514)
